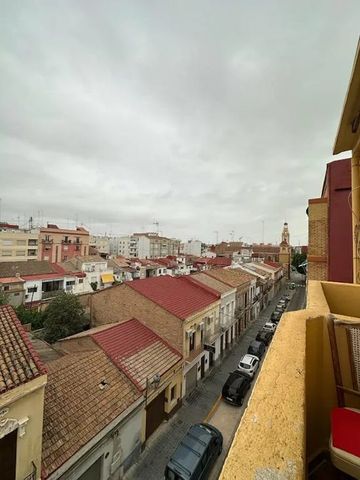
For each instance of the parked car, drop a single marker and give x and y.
(287, 298)
(275, 317)
(282, 301)
(280, 307)
(256, 348)
(269, 327)
(196, 453)
(248, 365)
(264, 336)
(235, 388)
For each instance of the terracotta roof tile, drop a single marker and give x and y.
(176, 295)
(232, 277)
(19, 363)
(31, 267)
(212, 282)
(137, 350)
(76, 408)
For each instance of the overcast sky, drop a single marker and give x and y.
(203, 115)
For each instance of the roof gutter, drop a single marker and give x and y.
(95, 440)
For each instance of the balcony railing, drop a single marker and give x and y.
(51, 294)
(32, 475)
(211, 335)
(47, 240)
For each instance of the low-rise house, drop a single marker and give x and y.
(41, 280)
(123, 271)
(264, 282)
(22, 385)
(93, 419)
(148, 268)
(225, 332)
(179, 311)
(13, 289)
(152, 364)
(242, 282)
(96, 269)
(219, 262)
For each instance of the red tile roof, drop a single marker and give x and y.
(275, 265)
(220, 261)
(136, 350)
(19, 363)
(11, 280)
(85, 393)
(176, 295)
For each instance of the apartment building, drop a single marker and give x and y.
(191, 247)
(101, 244)
(330, 235)
(179, 311)
(17, 244)
(58, 244)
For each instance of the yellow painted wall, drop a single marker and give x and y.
(27, 401)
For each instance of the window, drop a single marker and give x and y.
(32, 242)
(65, 258)
(7, 242)
(70, 282)
(81, 280)
(32, 253)
(192, 341)
(6, 253)
(173, 393)
(6, 288)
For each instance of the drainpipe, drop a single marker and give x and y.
(355, 206)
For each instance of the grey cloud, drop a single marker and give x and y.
(204, 115)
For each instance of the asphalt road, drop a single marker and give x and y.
(205, 404)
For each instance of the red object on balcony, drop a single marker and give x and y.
(345, 429)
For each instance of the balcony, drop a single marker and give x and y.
(211, 335)
(47, 241)
(50, 294)
(286, 425)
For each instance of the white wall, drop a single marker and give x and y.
(192, 247)
(143, 247)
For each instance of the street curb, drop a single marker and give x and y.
(213, 409)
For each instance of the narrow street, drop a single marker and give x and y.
(205, 404)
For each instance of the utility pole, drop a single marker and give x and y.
(263, 230)
(217, 236)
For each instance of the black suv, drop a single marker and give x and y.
(235, 388)
(196, 453)
(275, 317)
(256, 348)
(264, 336)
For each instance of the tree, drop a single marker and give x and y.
(3, 298)
(27, 315)
(297, 260)
(64, 316)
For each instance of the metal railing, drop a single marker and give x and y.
(51, 294)
(32, 475)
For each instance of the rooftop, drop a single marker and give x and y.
(233, 278)
(176, 295)
(78, 384)
(31, 267)
(19, 363)
(137, 351)
(212, 282)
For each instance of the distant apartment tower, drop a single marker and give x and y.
(191, 247)
(144, 245)
(152, 245)
(101, 243)
(58, 244)
(17, 244)
(330, 233)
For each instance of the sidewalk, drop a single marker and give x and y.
(195, 409)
